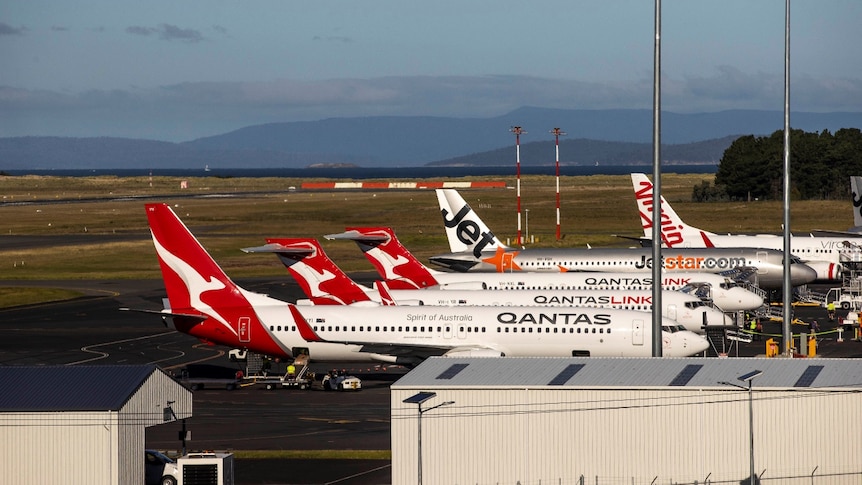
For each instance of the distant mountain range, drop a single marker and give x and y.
(608, 137)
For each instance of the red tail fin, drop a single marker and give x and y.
(196, 285)
(320, 278)
(395, 264)
(383, 290)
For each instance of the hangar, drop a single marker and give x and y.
(83, 424)
(627, 420)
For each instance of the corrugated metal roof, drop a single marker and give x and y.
(70, 388)
(634, 372)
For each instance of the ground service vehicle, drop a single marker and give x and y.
(159, 469)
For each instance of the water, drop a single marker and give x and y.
(374, 173)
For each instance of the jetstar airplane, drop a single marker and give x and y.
(470, 240)
(401, 270)
(820, 253)
(309, 265)
(205, 303)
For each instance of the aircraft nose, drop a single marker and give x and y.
(683, 344)
(802, 274)
(735, 299)
(696, 344)
(748, 300)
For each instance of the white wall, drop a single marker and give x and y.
(553, 436)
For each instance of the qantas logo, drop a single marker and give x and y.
(468, 231)
(576, 300)
(196, 284)
(554, 318)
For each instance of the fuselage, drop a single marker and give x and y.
(768, 263)
(409, 334)
(689, 311)
(823, 254)
(723, 292)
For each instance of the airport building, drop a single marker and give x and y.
(83, 424)
(633, 421)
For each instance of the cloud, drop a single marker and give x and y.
(167, 32)
(6, 29)
(59, 28)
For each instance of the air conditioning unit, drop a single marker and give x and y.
(206, 469)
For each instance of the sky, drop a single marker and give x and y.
(179, 70)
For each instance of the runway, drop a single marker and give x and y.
(91, 330)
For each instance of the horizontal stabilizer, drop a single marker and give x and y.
(279, 248)
(166, 314)
(354, 235)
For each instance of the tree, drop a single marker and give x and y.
(820, 165)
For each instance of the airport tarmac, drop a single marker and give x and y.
(93, 331)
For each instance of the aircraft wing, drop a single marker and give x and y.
(644, 242)
(412, 350)
(833, 233)
(454, 263)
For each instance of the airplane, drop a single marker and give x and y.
(205, 303)
(400, 269)
(470, 240)
(820, 253)
(856, 201)
(309, 265)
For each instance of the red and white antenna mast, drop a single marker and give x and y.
(557, 134)
(518, 131)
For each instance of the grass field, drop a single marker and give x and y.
(99, 231)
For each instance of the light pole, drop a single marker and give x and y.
(518, 131)
(748, 378)
(527, 223)
(418, 399)
(557, 133)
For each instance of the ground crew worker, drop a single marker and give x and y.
(753, 328)
(830, 311)
(291, 371)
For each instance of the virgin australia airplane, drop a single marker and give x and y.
(206, 303)
(820, 253)
(475, 248)
(326, 284)
(400, 269)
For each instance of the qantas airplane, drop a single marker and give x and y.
(324, 283)
(205, 303)
(401, 270)
(820, 253)
(475, 248)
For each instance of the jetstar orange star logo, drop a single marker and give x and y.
(503, 260)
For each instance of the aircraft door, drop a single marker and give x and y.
(671, 311)
(637, 332)
(507, 262)
(761, 258)
(461, 332)
(243, 329)
(447, 332)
